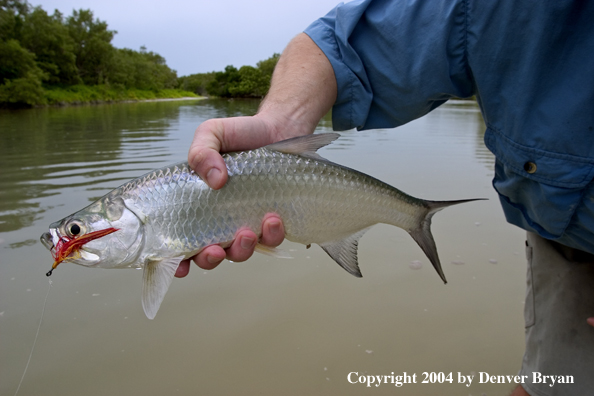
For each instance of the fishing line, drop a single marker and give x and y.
(36, 336)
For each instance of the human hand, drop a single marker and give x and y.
(230, 134)
(221, 135)
(241, 249)
(590, 321)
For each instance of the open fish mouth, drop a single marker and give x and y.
(48, 241)
(69, 248)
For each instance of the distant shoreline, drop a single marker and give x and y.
(102, 102)
(78, 95)
(162, 99)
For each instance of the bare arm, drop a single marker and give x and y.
(302, 91)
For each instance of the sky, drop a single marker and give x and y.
(202, 35)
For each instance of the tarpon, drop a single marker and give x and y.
(170, 214)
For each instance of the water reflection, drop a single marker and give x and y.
(220, 108)
(457, 124)
(43, 151)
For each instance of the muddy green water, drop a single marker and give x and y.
(267, 326)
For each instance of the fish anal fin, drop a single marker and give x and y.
(305, 146)
(157, 276)
(344, 252)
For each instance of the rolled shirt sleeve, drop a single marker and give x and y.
(394, 61)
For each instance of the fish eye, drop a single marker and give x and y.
(74, 229)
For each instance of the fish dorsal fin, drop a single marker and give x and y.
(305, 146)
(157, 276)
(344, 252)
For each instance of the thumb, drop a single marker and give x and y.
(204, 155)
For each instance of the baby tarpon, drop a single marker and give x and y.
(167, 215)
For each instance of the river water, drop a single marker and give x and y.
(266, 326)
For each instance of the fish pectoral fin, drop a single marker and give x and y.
(272, 252)
(344, 252)
(305, 146)
(157, 277)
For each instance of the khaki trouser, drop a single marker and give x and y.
(559, 299)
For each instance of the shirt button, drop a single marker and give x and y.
(530, 167)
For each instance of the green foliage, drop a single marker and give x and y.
(196, 83)
(20, 77)
(49, 39)
(22, 90)
(142, 70)
(74, 59)
(252, 83)
(50, 59)
(18, 6)
(15, 61)
(267, 66)
(11, 18)
(76, 94)
(223, 81)
(247, 82)
(92, 46)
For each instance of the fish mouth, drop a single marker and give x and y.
(86, 254)
(48, 241)
(67, 248)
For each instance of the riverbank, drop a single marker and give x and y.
(83, 94)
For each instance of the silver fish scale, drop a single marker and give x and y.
(318, 201)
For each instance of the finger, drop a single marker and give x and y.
(590, 321)
(243, 246)
(210, 257)
(204, 156)
(273, 231)
(182, 269)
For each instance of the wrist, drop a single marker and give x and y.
(281, 125)
(302, 91)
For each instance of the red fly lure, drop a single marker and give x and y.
(68, 245)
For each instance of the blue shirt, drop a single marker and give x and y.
(530, 64)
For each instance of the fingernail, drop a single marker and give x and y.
(212, 259)
(274, 227)
(213, 176)
(247, 243)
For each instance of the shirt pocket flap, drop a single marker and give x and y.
(553, 169)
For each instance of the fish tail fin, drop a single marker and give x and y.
(422, 234)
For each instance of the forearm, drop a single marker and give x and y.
(302, 91)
